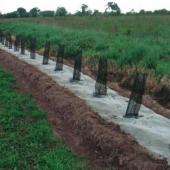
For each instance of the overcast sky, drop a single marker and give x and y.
(74, 5)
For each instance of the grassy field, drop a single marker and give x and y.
(129, 41)
(26, 139)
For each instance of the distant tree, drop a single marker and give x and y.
(61, 11)
(89, 12)
(47, 13)
(113, 7)
(149, 12)
(34, 12)
(132, 12)
(142, 12)
(78, 13)
(84, 9)
(96, 12)
(161, 12)
(11, 15)
(69, 14)
(22, 12)
(109, 4)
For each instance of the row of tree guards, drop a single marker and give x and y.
(138, 88)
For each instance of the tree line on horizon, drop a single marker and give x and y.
(112, 9)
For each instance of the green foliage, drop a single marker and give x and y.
(34, 12)
(151, 62)
(21, 12)
(114, 7)
(163, 68)
(128, 41)
(26, 139)
(61, 11)
(47, 13)
(11, 15)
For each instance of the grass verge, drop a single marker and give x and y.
(27, 141)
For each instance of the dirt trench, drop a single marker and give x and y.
(102, 143)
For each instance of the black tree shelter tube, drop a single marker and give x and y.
(32, 47)
(60, 56)
(46, 53)
(137, 93)
(2, 38)
(77, 66)
(10, 41)
(23, 44)
(101, 81)
(17, 43)
(6, 40)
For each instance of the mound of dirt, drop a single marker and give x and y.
(163, 96)
(104, 144)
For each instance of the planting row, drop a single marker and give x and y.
(101, 82)
(151, 54)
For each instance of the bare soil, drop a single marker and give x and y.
(103, 144)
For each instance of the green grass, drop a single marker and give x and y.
(27, 141)
(142, 41)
